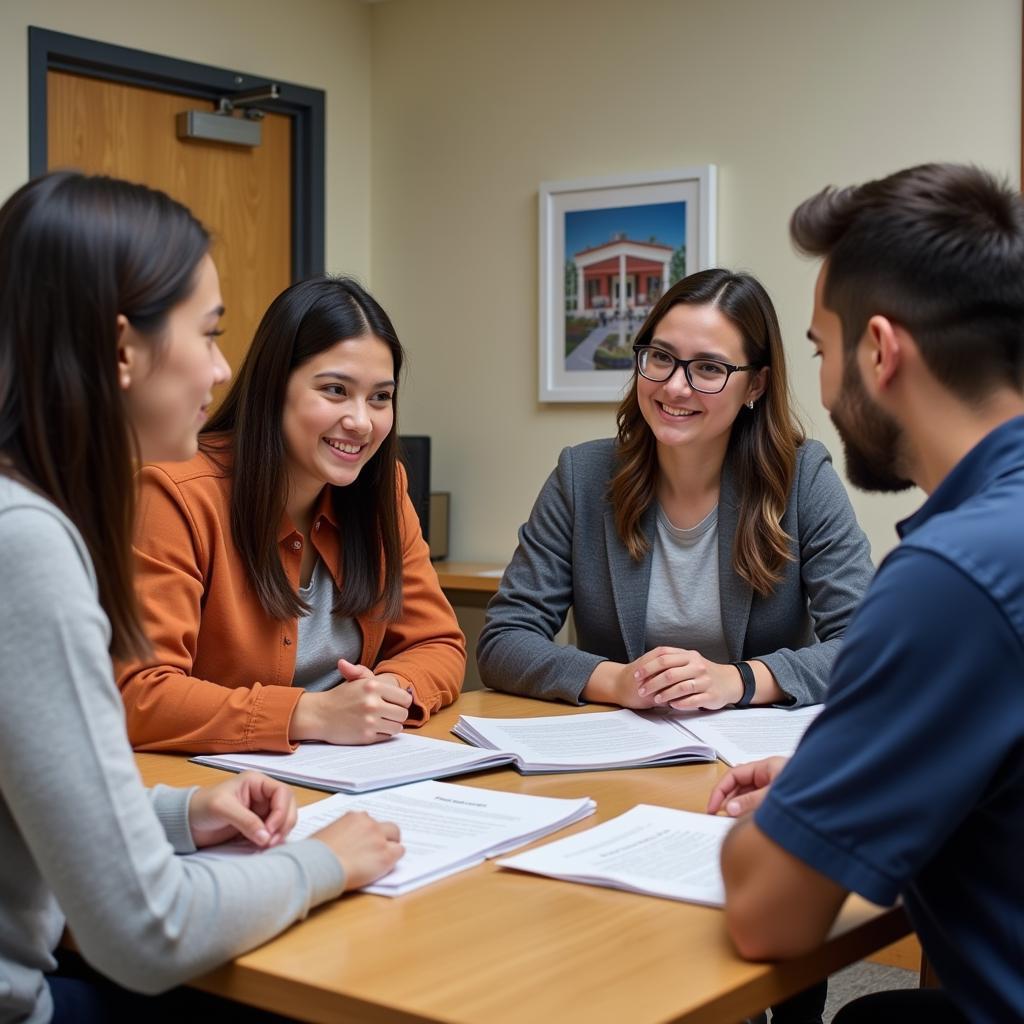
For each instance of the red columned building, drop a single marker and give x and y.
(644, 266)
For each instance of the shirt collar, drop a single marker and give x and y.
(324, 509)
(996, 454)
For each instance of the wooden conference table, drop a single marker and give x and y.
(490, 946)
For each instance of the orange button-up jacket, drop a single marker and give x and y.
(220, 676)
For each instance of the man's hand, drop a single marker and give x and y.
(743, 788)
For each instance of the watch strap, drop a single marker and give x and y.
(749, 683)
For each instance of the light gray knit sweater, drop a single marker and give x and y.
(80, 837)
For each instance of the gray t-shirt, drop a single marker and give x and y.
(683, 604)
(81, 838)
(323, 636)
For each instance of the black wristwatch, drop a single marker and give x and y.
(749, 683)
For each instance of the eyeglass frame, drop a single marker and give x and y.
(731, 368)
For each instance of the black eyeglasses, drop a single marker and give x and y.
(709, 376)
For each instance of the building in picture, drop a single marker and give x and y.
(643, 266)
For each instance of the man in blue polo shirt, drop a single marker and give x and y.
(911, 782)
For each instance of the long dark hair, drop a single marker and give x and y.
(762, 444)
(75, 252)
(303, 321)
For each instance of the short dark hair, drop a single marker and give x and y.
(937, 248)
(76, 251)
(305, 319)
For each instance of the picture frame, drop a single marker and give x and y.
(643, 231)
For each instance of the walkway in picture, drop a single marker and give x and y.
(621, 261)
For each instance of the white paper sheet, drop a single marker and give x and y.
(654, 850)
(749, 734)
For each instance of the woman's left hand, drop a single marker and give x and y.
(685, 680)
(250, 804)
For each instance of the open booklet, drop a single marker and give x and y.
(632, 739)
(445, 828)
(554, 743)
(589, 742)
(658, 851)
(562, 743)
(749, 734)
(402, 759)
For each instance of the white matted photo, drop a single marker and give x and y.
(609, 248)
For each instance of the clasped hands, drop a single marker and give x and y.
(666, 677)
(367, 708)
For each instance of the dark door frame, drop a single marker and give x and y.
(57, 51)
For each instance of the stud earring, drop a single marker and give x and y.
(750, 404)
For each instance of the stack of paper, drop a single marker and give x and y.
(654, 850)
(588, 742)
(395, 762)
(445, 828)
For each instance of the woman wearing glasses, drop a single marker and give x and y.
(709, 552)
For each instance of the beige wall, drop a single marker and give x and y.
(469, 104)
(477, 101)
(324, 44)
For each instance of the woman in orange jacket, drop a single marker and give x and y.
(284, 581)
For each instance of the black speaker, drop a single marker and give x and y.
(414, 451)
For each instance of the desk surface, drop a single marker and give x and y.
(481, 577)
(489, 946)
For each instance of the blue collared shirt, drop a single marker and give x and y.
(911, 782)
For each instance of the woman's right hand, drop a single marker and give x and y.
(614, 683)
(363, 710)
(366, 848)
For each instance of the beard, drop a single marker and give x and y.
(872, 439)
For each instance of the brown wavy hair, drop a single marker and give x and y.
(76, 251)
(304, 320)
(762, 445)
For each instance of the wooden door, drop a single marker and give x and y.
(242, 195)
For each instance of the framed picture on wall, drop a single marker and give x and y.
(609, 247)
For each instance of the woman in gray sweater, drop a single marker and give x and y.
(109, 305)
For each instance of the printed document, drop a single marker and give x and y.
(658, 851)
(403, 758)
(445, 828)
(585, 742)
(749, 734)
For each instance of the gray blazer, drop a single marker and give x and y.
(570, 555)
